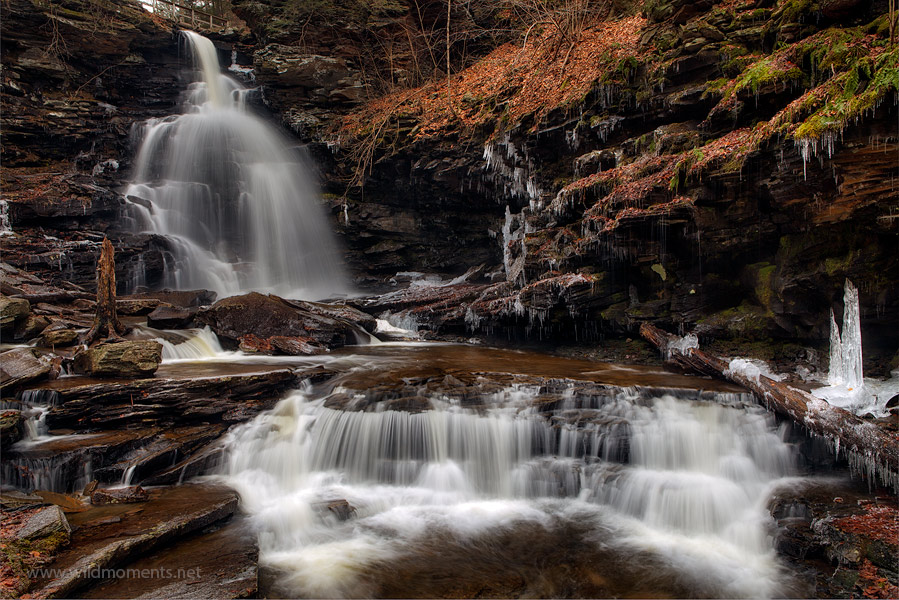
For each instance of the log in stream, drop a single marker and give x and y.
(871, 450)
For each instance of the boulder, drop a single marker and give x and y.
(59, 334)
(296, 346)
(137, 306)
(126, 495)
(20, 365)
(171, 317)
(67, 502)
(265, 317)
(179, 298)
(12, 311)
(10, 432)
(16, 500)
(120, 359)
(44, 523)
(31, 327)
(341, 311)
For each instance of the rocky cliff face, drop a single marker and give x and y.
(719, 168)
(77, 76)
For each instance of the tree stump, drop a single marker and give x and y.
(106, 321)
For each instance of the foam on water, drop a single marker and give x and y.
(684, 483)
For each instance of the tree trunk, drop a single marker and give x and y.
(106, 321)
(871, 450)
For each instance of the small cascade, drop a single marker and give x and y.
(847, 386)
(65, 473)
(37, 404)
(239, 209)
(684, 482)
(33, 463)
(197, 344)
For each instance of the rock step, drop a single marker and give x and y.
(113, 536)
(219, 562)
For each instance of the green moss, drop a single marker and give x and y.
(837, 267)
(715, 87)
(860, 88)
(744, 321)
(795, 11)
(761, 277)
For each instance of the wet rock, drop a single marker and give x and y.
(339, 508)
(63, 464)
(10, 430)
(219, 562)
(310, 77)
(120, 359)
(34, 289)
(595, 162)
(253, 344)
(200, 462)
(839, 9)
(160, 453)
(31, 327)
(66, 502)
(179, 298)
(14, 500)
(12, 311)
(267, 316)
(170, 317)
(126, 495)
(136, 306)
(342, 311)
(296, 346)
(46, 522)
(843, 526)
(19, 366)
(170, 515)
(58, 334)
(169, 400)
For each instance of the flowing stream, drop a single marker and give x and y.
(418, 474)
(238, 207)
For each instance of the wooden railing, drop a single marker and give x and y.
(188, 16)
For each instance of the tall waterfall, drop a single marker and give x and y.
(673, 483)
(237, 205)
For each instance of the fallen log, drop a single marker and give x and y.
(870, 450)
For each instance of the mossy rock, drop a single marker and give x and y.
(746, 321)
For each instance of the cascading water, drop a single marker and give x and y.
(237, 206)
(674, 484)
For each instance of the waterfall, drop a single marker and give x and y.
(196, 344)
(682, 484)
(239, 209)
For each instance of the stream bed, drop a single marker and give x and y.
(437, 470)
